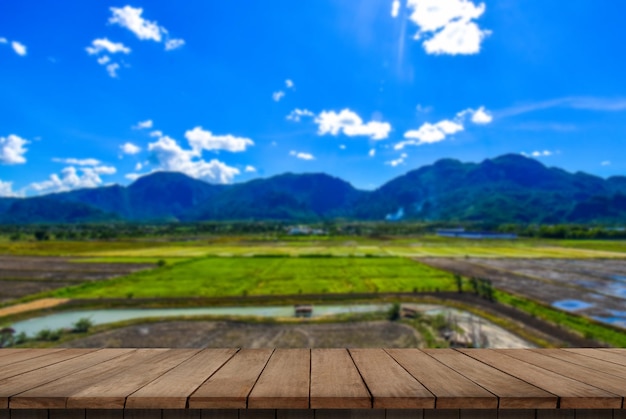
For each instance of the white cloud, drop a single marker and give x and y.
(400, 160)
(156, 133)
(297, 114)
(277, 96)
(172, 44)
(89, 177)
(130, 148)
(101, 44)
(606, 163)
(350, 124)
(200, 139)
(167, 155)
(78, 162)
(300, 155)
(481, 116)
(104, 59)
(372, 152)
(395, 8)
(250, 169)
(12, 149)
(130, 18)
(289, 83)
(138, 166)
(538, 153)
(581, 103)
(447, 27)
(132, 176)
(6, 190)
(3, 41)
(430, 133)
(20, 49)
(112, 69)
(147, 124)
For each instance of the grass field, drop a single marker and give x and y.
(216, 277)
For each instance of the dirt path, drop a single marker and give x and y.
(33, 305)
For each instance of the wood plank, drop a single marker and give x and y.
(9, 351)
(27, 381)
(516, 414)
(572, 394)
(4, 414)
(512, 392)
(451, 389)
(29, 414)
(404, 414)
(335, 381)
(350, 414)
(594, 414)
(22, 355)
(591, 376)
(171, 390)
(390, 385)
(66, 414)
(556, 414)
(619, 414)
(284, 383)
(295, 414)
(441, 414)
(110, 392)
(229, 387)
(220, 414)
(257, 414)
(142, 414)
(479, 414)
(586, 361)
(50, 358)
(608, 356)
(54, 394)
(182, 414)
(104, 414)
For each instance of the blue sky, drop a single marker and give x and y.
(101, 92)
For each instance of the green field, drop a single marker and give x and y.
(217, 277)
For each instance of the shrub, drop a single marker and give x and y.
(82, 325)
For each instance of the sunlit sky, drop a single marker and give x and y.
(98, 92)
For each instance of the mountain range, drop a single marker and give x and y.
(506, 189)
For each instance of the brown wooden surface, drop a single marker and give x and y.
(572, 394)
(451, 389)
(284, 383)
(512, 392)
(391, 386)
(444, 382)
(170, 391)
(335, 381)
(229, 387)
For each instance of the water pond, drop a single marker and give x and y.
(572, 305)
(67, 319)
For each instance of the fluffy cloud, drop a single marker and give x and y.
(102, 44)
(12, 149)
(429, 133)
(480, 116)
(156, 133)
(72, 178)
(78, 162)
(447, 27)
(112, 69)
(200, 139)
(277, 96)
(6, 190)
(400, 160)
(172, 44)
(300, 155)
(395, 8)
(350, 124)
(297, 114)
(20, 49)
(130, 18)
(250, 169)
(147, 124)
(167, 155)
(104, 59)
(130, 148)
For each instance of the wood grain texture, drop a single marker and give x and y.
(586, 362)
(452, 390)
(572, 393)
(54, 394)
(284, 383)
(605, 355)
(587, 375)
(20, 367)
(335, 381)
(390, 385)
(110, 392)
(24, 354)
(229, 387)
(512, 392)
(27, 381)
(171, 390)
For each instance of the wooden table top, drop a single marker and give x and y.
(312, 379)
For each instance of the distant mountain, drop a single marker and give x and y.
(507, 189)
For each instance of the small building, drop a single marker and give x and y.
(303, 310)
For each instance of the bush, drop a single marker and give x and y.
(82, 325)
(394, 312)
(161, 263)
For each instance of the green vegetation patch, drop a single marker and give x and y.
(217, 277)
